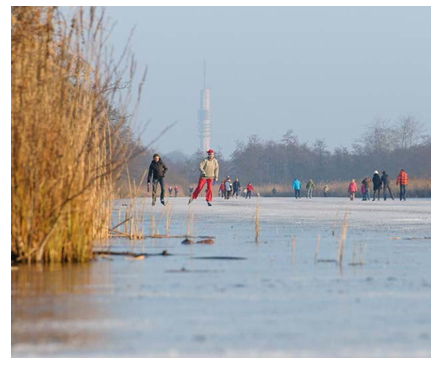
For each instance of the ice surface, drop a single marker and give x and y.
(268, 305)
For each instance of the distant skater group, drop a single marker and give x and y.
(383, 183)
(209, 171)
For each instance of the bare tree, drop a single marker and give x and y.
(409, 131)
(379, 136)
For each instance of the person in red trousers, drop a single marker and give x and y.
(209, 169)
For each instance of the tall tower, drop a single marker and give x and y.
(204, 123)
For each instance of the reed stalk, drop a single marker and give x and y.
(362, 248)
(354, 253)
(334, 224)
(168, 216)
(293, 248)
(342, 239)
(257, 227)
(152, 224)
(316, 251)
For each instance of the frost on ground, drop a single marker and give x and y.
(274, 303)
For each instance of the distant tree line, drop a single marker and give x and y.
(384, 145)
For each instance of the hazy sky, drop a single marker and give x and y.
(323, 72)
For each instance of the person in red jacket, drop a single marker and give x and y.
(352, 189)
(222, 189)
(402, 180)
(249, 188)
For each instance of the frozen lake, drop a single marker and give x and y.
(271, 302)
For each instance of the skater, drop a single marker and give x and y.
(170, 190)
(236, 188)
(157, 170)
(363, 191)
(402, 180)
(352, 189)
(228, 188)
(296, 187)
(222, 189)
(209, 170)
(385, 179)
(310, 186)
(325, 191)
(377, 184)
(250, 189)
(367, 181)
(191, 190)
(274, 192)
(176, 191)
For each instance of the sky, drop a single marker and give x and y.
(324, 72)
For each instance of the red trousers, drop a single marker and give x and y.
(208, 188)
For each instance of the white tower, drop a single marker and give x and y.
(204, 123)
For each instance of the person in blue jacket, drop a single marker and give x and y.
(296, 187)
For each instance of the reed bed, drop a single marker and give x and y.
(67, 141)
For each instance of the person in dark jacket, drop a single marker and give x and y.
(157, 170)
(236, 188)
(385, 179)
(377, 184)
